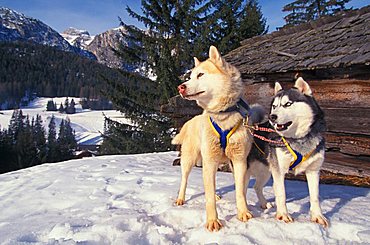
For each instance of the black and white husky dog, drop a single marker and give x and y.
(299, 121)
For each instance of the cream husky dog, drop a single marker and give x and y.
(218, 136)
(297, 117)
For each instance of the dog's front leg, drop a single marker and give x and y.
(209, 179)
(313, 187)
(280, 196)
(240, 176)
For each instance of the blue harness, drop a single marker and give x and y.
(223, 135)
(242, 108)
(298, 158)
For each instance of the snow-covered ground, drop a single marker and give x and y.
(130, 200)
(87, 123)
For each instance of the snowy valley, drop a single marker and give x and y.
(88, 124)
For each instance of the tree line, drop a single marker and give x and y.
(68, 107)
(28, 69)
(26, 144)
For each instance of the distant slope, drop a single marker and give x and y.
(16, 26)
(27, 68)
(129, 199)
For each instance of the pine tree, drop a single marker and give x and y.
(61, 108)
(66, 104)
(16, 125)
(252, 22)
(166, 48)
(39, 139)
(235, 21)
(8, 161)
(51, 106)
(52, 145)
(71, 109)
(146, 131)
(66, 140)
(302, 11)
(25, 148)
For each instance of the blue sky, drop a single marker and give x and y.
(97, 16)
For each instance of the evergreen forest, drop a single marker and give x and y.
(28, 70)
(25, 142)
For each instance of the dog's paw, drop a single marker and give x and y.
(244, 216)
(267, 205)
(320, 219)
(284, 217)
(213, 225)
(179, 202)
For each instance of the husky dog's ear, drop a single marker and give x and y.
(277, 87)
(196, 61)
(214, 55)
(303, 86)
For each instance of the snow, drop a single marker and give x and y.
(88, 124)
(129, 199)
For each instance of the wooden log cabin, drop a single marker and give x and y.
(333, 55)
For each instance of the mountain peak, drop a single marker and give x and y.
(77, 38)
(15, 26)
(75, 31)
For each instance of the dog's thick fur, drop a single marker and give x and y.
(216, 86)
(296, 115)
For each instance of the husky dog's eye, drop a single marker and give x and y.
(287, 104)
(199, 75)
(274, 107)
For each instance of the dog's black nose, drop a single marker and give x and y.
(273, 117)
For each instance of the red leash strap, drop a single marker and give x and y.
(270, 130)
(257, 128)
(267, 140)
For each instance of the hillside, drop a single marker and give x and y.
(129, 200)
(27, 69)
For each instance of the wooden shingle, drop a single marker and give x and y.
(334, 41)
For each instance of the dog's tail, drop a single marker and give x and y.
(257, 114)
(179, 138)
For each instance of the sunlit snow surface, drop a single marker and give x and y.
(130, 200)
(88, 124)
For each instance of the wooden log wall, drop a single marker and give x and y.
(346, 104)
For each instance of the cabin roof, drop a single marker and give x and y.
(336, 41)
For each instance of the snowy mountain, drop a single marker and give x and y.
(78, 38)
(129, 199)
(15, 26)
(100, 45)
